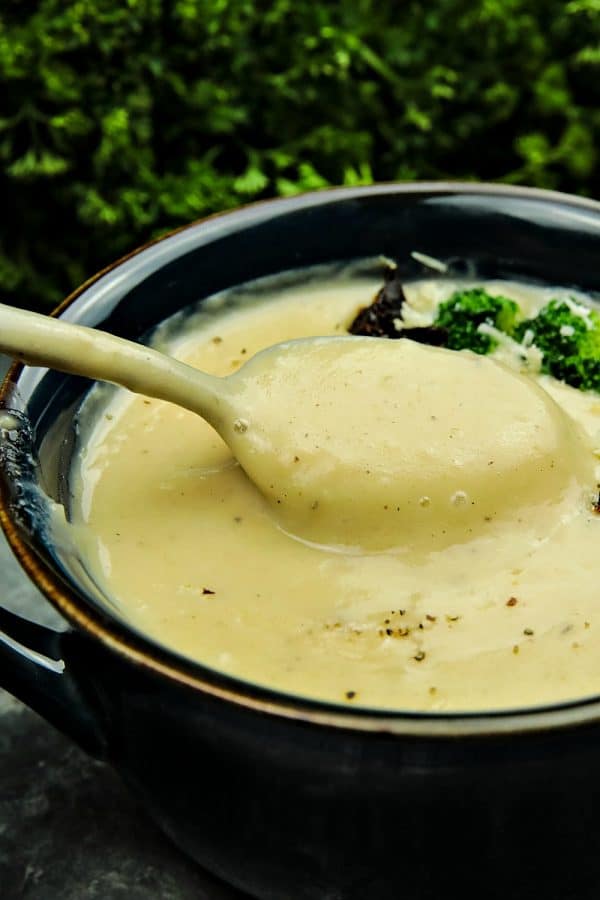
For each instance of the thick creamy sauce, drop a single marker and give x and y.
(467, 583)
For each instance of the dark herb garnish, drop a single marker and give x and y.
(378, 319)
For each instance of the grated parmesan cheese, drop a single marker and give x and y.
(583, 312)
(518, 356)
(429, 261)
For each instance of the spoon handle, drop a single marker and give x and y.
(44, 341)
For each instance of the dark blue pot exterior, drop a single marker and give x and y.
(289, 809)
(289, 799)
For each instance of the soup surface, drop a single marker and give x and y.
(483, 593)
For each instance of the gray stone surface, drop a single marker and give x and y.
(68, 828)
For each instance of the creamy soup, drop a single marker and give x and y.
(468, 580)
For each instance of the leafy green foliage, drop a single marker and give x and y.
(569, 338)
(463, 313)
(119, 120)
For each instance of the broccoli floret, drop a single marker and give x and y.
(465, 311)
(589, 358)
(569, 341)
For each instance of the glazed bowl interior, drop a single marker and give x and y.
(487, 232)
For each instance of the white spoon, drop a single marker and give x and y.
(361, 442)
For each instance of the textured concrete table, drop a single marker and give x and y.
(68, 828)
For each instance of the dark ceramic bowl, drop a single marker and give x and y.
(293, 799)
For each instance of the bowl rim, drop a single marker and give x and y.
(144, 652)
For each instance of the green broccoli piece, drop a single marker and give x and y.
(569, 341)
(589, 358)
(465, 311)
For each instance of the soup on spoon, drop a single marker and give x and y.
(371, 443)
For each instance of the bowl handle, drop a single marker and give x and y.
(33, 669)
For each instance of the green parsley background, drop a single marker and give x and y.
(121, 119)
